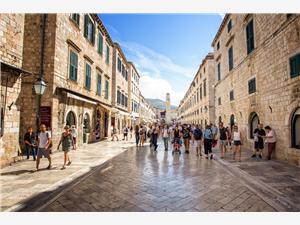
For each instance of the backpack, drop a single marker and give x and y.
(208, 134)
(197, 134)
(186, 133)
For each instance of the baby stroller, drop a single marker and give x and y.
(176, 145)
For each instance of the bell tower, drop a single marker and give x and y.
(168, 102)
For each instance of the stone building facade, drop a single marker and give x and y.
(257, 63)
(11, 75)
(133, 94)
(73, 52)
(198, 104)
(120, 100)
(146, 111)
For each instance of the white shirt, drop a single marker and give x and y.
(43, 137)
(74, 132)
(271, 137)
(236, 136)
(165, 133)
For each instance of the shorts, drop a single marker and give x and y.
(198, 143)
(67, 149)
(258, 145)
(43, 152)
(237, 143)
(125, 134)
(223, 143)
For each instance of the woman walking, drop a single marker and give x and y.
(142, 134)
(270, 140)
(237, 142)
(166, 136)
(137, 135)
(67, 142)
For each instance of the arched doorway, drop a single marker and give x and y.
(98, 124)
(106, 124)
(71, 119)
(295, 132)
(232, 121)
(253, 122)
(220, 119)
(86, 127)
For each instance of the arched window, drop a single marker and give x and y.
(86, 123)
(296, 129)
(232, 121)
(253, 122)
(71, 119)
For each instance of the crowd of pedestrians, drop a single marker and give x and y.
(202, 139)
(228, 139)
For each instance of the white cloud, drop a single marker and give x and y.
(153, 87)
(155, 63)
(158, 72)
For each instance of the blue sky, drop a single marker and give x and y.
(167, 49)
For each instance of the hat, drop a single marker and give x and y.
(66, 127)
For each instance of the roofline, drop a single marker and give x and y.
(102, 27)
(220, 29)
(117, 45)
(131, 63)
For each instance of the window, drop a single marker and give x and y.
(296, 129)
(252, 86)
(200, 92)
(107, 54)
(231, 95)
(118, 97)
(218, 45)
(250, 37)
(106, 89)
(76, 18)
(204, 88)
(123, 70)
(219, 71)
(230, 58)
(73, 66)
(219, 101)
(126, 75)
(88, 76)
(89, 29)
(122, 99)
(100, 43)
(119, 65)
(295, 66)
(99, 84)
(229, 26)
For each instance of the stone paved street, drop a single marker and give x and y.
(19, 183)
(142, 180)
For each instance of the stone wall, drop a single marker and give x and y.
(277, 95)
(11, 50)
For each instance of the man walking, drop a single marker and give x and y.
(223, 139)
(186, 138)
(258, 134)
(44, 141)
(197, 137)
(30, 143)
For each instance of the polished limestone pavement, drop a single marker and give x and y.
(117, 176)
(141, 179)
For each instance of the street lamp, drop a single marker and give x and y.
(40, 86)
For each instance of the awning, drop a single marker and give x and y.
(69, 95)
(5, 67)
